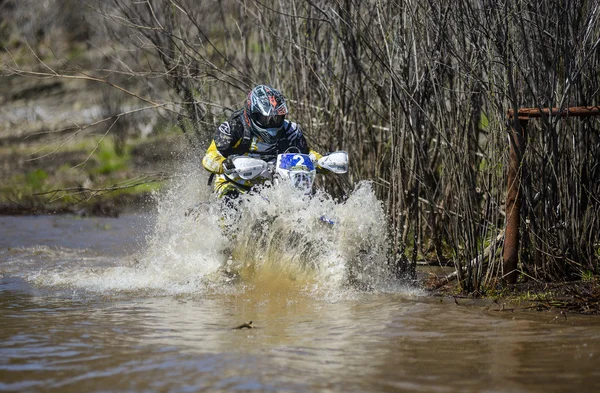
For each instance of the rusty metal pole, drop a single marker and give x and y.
(517, 137)
(576, 111)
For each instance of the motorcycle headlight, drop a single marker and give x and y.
(302, 181)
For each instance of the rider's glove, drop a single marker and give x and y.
(228, 166)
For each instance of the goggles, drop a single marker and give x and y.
(268, 121)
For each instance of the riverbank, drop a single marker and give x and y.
(561, 298)
(88, 177)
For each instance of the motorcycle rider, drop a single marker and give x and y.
(258, 130)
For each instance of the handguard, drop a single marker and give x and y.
(336, 162)
(249, 168)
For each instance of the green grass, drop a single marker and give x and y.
(36, 180)
(22, 185)
(108, 161)
(587, 276)
(92, 165)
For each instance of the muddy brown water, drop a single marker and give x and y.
(60, 337)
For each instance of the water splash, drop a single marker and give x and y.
(279, 229)
(274, 239)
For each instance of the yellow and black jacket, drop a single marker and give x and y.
(234, 137)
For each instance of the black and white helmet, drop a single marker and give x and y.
(265, 112)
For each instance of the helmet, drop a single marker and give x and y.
(265, 112)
